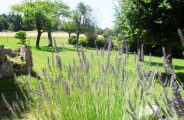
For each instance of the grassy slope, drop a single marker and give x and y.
(67, 55)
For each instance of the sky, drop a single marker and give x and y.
(103, 10)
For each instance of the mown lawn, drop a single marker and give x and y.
(68, 54)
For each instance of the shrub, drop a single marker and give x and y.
(115, 43)
(21, 35)
(91, 38)
(100, 42)
(108, 32)
(83, 41)
(72, 40)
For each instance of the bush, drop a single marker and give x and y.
(100, 42)
(115, 42)
(91, 38)
(108, 32)
(21, 35)
(72, 40)
(83, 41)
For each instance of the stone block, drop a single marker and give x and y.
(2, 54)
(6, 69)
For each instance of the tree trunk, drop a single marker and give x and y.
(77, 37)
(125, 47)
(168, 63)
(181, 35)
(69, 34)
(50, 39)
(38, 38)
(140, 51)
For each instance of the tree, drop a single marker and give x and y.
(4, 25)
(152, 21)
(15, 21)
(60, 10)
(108, 32)
(11, 27)
(68, 27)
(51, 25)
(99, 30)
(38, 13)
(181, 38)
(91, 33)
(82, 17)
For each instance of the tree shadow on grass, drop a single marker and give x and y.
(180, 75)
(59, 49)
(10, 89)
(19, 43)
(176, 67)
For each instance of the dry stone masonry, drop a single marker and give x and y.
(2, 54)
(26, 54)
(17, 61)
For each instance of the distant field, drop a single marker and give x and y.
(32, 34)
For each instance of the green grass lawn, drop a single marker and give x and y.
(68, 54)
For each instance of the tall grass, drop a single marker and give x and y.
(104, 90)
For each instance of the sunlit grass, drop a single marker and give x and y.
(68, 53)
(100, 93)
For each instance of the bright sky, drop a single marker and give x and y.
(103, 9)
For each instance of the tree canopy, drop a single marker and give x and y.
(68, 26)
(40, 14)
(82, 17)
(152, 21)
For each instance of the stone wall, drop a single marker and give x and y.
(2, 54)
(26, 53)
(17, 61)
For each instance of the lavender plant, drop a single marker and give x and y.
(99, 87)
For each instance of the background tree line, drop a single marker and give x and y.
(13, 22)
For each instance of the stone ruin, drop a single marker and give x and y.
(17, 61)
